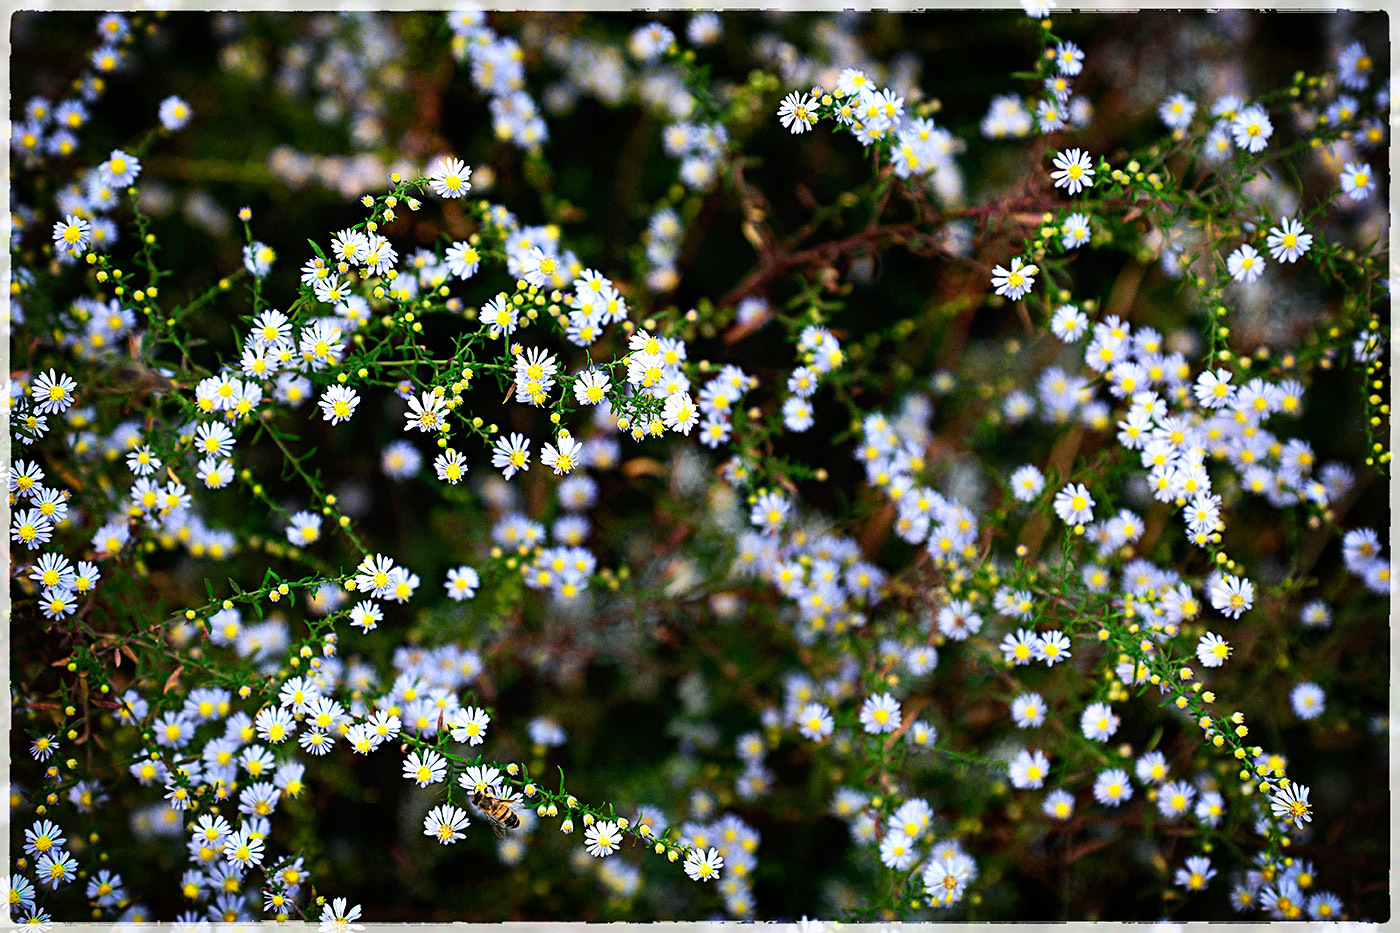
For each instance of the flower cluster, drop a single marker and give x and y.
(972, 503)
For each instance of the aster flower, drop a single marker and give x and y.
(338, 403)
(1052, 647)
(1213, 389)
(1098, 722)
(814, 722)
(337, 918)
(1059, 804)
(450, 178)
(53, 392)
(1027, 483)
(1069, 59)
(1069, 323)
(174, 113)
(1290, 802)
(450, 466)
(480, 779)
(427, 413)
(1357, 182)
(1029, 769)
(1028, 710)
(1245, 264)
(43, 836)
(244, 849)
(425, 767)
(468, 724)
(445, 824)
(702, 865)
(592, 387)
(602, 838)
(1308, 700)
(1174, 799)
(1212, 650)
(1016, 281)
(1074, 505)
(120, 169)
(1252, 129)
(1176, 111)
(1288, 240)
(880, 713)
(461, 583)
(798, 112)
(463, 259)
(56, 868)
(1074, 170)
(1195, 875)
(1354, 66)
(72, 234)
(1019, 648)
(1232, 596)
(1111, 787)
(1074, 231)
(565, 457)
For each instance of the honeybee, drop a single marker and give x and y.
(498, 813)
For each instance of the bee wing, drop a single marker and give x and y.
(497, 827)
